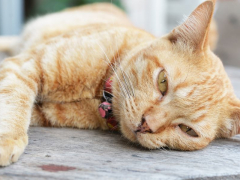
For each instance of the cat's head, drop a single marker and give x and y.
(175, 92)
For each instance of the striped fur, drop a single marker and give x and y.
(62, 61)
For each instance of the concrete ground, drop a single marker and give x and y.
(65, 153)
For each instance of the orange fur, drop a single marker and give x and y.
(58, 75)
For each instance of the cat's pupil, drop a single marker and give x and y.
(188, 129)
(162, 82)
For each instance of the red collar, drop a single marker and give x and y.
(105, 108)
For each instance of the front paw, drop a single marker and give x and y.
(11, 149)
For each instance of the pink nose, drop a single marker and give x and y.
(143, 127)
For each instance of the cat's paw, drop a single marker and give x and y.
(11, 149)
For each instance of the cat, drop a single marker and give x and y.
(170, 92)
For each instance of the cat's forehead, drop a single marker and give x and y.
(180, 63)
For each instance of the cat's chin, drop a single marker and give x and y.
(128, 133)
(148, 141)
(144, 139)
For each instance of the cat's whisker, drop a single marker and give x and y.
(163, 148)
(129, 108)
(109, 93)
(122, 71)
(131, 85)
(116, 94)
(123, 91)
(113, 70)
(133, 104)
(108, 61)
(128, 79)
(125, 81)
(123, 74)
(125, 85)
(112, 95)
(115, 89)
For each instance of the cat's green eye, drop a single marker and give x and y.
(188, 130)
(162, 82)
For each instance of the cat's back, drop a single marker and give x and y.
(83, 15)
(52, 25)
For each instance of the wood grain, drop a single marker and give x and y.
(93, 154)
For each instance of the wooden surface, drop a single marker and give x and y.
(55, 153)
(93, 154)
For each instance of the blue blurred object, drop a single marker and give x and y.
(11, 17)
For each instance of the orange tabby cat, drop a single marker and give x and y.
(167, 92)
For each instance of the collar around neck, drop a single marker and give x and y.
(105, 108)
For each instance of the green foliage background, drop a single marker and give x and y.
(35, 8)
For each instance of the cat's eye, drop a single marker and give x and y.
(162, 82)
(188, 130)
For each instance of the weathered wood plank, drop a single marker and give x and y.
(101, 155)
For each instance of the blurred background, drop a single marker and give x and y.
(156, 16)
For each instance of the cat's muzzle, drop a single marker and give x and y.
(143, 127)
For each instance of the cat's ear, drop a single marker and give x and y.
(235, 125)
(231, 125)
(194, 31)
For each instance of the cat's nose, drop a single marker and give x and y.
(143, 127)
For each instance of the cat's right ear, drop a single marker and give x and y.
(194, 31)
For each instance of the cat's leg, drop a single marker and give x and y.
(19, 80)
(83, 114)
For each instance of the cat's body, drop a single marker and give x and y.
(81, 18)
(65, 58)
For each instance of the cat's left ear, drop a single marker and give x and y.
(231, 125)
(235, 124)
(194, 31)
